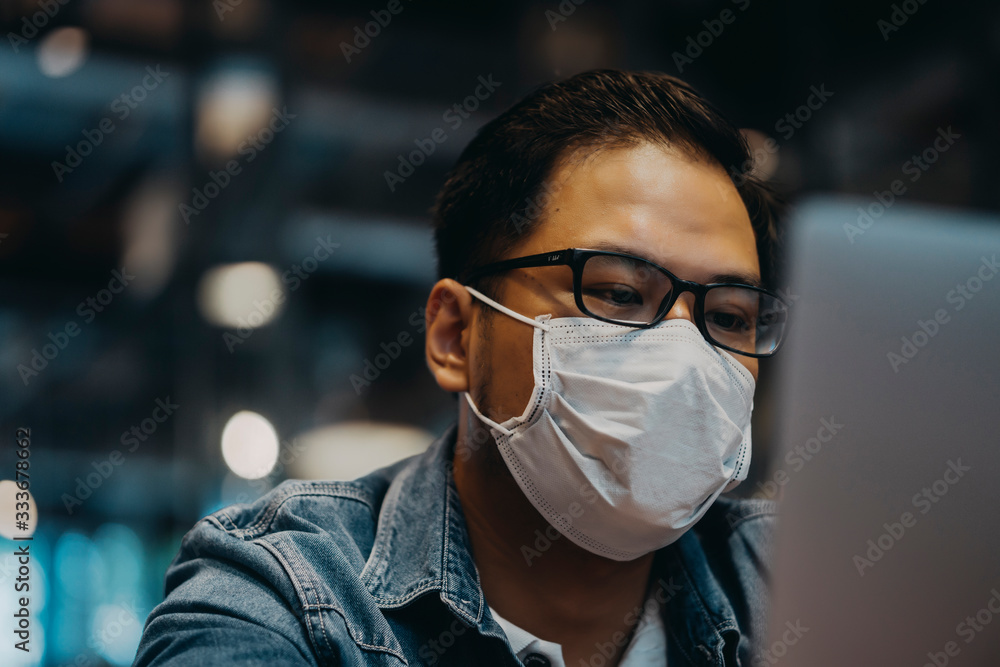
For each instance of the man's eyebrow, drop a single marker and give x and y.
(611, 246)
(743, 278)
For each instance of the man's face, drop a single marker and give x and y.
(649, 201)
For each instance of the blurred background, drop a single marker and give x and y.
(215, 246)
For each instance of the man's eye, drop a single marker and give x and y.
(727, 321)
(616, 295)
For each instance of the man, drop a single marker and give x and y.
(572, 515)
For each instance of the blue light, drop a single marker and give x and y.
(116, 631)
(79, 568)
(122, 553)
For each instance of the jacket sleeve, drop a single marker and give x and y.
(227, 603)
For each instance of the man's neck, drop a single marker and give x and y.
(532, 575)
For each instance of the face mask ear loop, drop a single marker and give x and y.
(507, 311)
(486, 420)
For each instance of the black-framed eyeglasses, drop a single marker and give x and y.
(624, 289)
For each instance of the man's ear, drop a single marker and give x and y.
(449, 329)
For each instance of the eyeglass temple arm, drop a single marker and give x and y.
(541, 259)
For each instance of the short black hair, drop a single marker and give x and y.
(496, 191)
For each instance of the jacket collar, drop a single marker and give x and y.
(421, 545)
(699, 616)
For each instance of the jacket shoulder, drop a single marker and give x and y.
(338, 508)
(293, 556)
(329, 506)
(743, 515)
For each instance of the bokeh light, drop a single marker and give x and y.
(9, 511)
(63, 51)
(249, 445)
(245, 295)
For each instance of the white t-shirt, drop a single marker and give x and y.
(648, 647)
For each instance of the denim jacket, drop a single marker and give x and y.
(378, 571)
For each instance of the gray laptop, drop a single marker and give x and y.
(888, 460)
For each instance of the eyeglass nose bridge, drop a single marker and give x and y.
(678, 287)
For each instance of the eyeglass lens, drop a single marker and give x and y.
(632, 291)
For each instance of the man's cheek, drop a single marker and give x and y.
(510, 376)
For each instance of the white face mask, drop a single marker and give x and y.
(630, 434)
